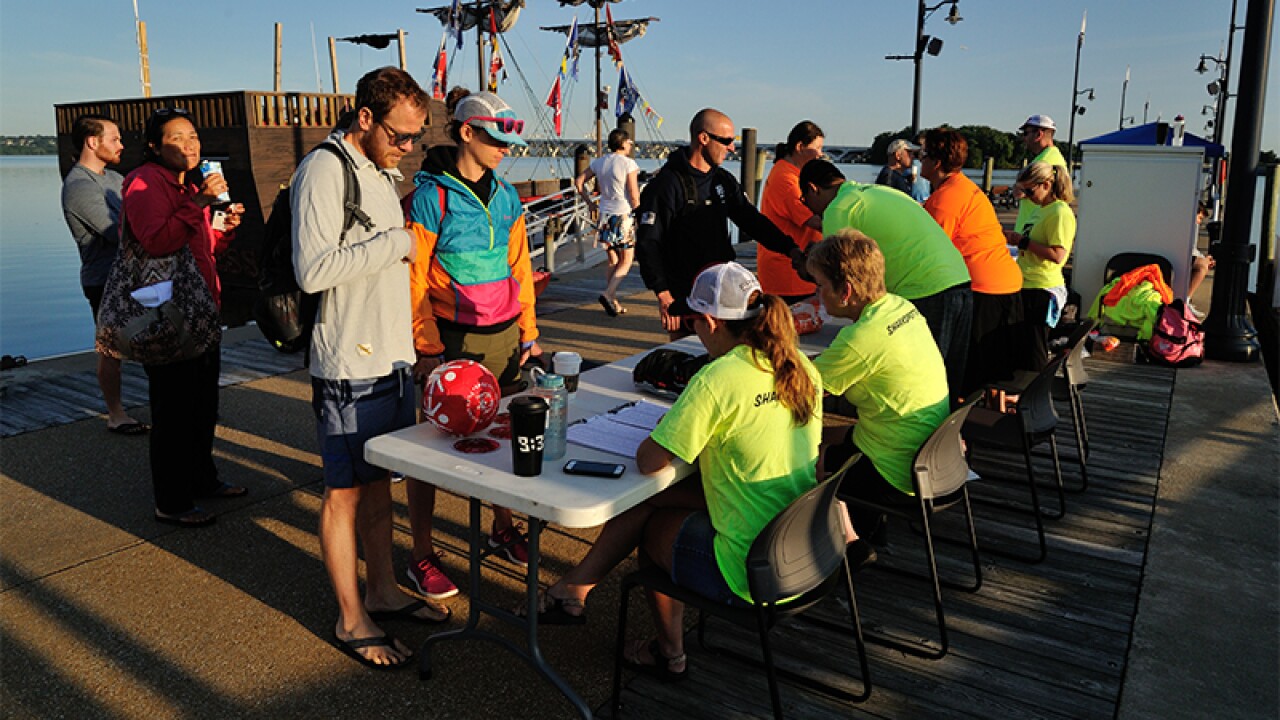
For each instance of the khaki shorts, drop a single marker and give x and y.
(498, 351)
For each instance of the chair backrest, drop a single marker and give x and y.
(940, 468)
(1126, 261)
(800, 548)
(1035, 405)
(1075, 372)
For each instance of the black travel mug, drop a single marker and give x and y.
(528, 424)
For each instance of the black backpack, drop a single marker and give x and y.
(284, 313)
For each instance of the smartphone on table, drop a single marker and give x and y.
(595, 469)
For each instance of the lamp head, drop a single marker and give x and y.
(953, 17)
(1091, 94)
(1201, 67)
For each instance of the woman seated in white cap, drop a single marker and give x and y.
(757, 385)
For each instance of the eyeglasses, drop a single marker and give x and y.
(723, 140)
(505, 124)
(400, 138)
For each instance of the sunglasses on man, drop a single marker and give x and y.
(398, 138)
(505, 124)
(722, 139)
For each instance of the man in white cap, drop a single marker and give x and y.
(897, 172)
(1037, 135)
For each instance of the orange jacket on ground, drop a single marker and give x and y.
(969, 219)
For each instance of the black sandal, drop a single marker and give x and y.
(609, 308)
(660, 668)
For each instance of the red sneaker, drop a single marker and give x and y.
(429, 579)
(511, 546)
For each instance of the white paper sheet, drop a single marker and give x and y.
(619, 431)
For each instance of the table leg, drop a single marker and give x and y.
(529, 623)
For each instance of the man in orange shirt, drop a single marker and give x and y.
(969, 219)
(780, 202)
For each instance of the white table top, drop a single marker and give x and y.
(575, 501)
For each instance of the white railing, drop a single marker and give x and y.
(558, 220)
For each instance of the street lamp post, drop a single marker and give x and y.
(1219, 89)
(1075, 94)
(1124, 90)
(924, 43)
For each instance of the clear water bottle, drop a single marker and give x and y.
(551, 387)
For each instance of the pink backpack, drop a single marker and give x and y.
(1177, 340)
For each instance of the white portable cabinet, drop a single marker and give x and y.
(1136, 198)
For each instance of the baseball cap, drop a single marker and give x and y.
(900, 144)
(724, 291)
(1040, 121)
(486, 104)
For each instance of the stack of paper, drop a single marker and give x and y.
(619, 431)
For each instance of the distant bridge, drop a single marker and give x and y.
(559, 147)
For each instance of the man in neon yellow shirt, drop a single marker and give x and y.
(1037, 135)
(921, 263)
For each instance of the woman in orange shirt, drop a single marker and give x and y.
(969, 219)
(780, 202)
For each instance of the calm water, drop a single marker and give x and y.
(42, 310)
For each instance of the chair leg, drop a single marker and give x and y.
(858, 638)
(971, 528)
(1035, 514)
(1082, 442)
(762, 624)
(937, 589)
(1057, 473)
(616, 699)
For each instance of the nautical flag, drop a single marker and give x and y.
(439, 81)
(495, 60)
(628, 93)
(571, 52)
(553, 102)
(455, 21)
(615, 52)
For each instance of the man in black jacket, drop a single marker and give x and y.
(682, 215)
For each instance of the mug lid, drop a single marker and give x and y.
(550, 380)
(527, 403)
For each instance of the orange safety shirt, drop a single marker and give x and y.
(969, 219)
(780, 202)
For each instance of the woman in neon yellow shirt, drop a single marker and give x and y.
(751, 419)
(1043, 248)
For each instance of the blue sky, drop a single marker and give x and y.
(768, 63)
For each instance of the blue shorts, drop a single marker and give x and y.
(348, 413)
(693, 561)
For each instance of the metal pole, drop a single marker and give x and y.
(1124, 90)
(596, 100)
(919, 58)
(479, 51)
(400, 44)
(1228, 333)
(1075, 94)
(146, 60)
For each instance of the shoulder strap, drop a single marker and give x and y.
(353, 213)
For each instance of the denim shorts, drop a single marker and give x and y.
(349, 412)
(693, 561)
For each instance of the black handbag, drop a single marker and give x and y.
(182, 327)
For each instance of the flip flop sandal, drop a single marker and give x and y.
(556, 614)
(192, 518)
(129, 428)
(610, 309)
(409, 614)
(660, 668)
(351, 649)
(226, 490)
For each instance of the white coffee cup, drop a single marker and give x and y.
(567, 365)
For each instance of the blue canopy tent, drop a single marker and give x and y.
(1147, 134)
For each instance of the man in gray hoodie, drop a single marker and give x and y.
(361, 350)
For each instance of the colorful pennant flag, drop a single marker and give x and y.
(554, 102)
(571, 52)
(615, 51)
(439, 81)
(455, 21)
(495, 59)
(628, 93)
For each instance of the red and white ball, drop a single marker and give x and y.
(461, 397)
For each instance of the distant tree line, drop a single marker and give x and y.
(28, 145)
(984, 142)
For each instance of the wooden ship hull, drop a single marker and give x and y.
(259, 137)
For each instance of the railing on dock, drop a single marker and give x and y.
(555, 221)
(310, 110)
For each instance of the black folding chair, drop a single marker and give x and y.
(939, 475)
(1034, 422)
(1068, 386)
(799, 555)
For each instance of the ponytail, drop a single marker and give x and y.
(772, 334)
